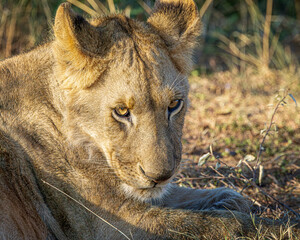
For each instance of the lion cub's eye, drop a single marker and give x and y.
(175, 106)
(122, 111)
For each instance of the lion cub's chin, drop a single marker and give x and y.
(145, 194)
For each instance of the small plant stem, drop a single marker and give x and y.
(261, 148)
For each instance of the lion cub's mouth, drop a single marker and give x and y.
(154, 192)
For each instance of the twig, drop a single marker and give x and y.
(248, 165)
(215, 170)
(217, 158)
(276, 200)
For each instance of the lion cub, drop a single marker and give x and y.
(97, 113)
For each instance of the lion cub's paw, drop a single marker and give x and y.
(225, 198)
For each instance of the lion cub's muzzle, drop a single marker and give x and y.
(159, 176)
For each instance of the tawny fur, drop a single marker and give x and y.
(58, 124)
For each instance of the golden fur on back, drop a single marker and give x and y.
(98, 113)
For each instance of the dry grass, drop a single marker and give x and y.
(242, 132)
(231, 113)
(257, 45)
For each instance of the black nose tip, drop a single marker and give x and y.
(158, 177)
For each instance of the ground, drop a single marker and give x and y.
(229, 115)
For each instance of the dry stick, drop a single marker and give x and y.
(204, 8)
(217, 158)
(276, 200)
(57, 189)
(215, 170)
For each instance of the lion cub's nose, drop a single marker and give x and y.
(159, 176)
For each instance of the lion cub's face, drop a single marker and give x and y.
(126, 90)
(135, 115)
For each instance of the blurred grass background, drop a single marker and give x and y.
(236, 34)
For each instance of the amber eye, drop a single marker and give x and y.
(175, 106)
(122, 111)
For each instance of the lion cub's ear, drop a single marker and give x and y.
(77, 47)
(178, 23)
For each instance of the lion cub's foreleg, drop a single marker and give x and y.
(219, 198)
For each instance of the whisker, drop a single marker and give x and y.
(172, 85)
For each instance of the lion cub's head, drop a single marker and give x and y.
(126, 88)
